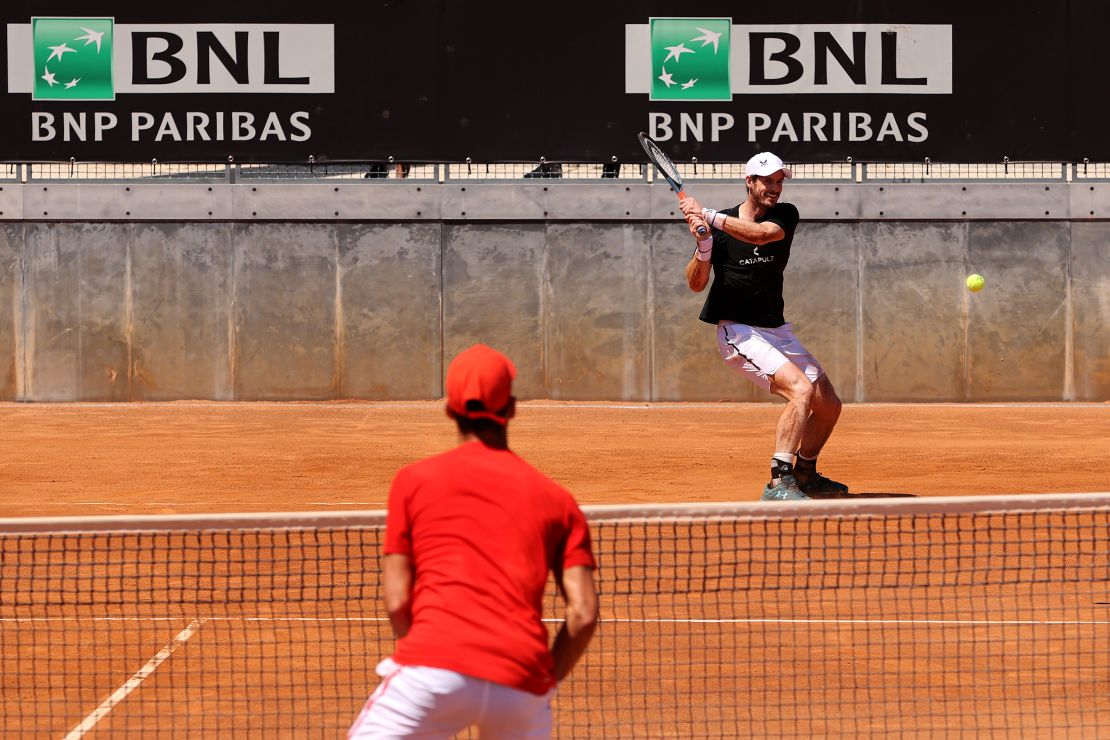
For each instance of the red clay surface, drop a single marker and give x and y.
(905, 652)
(190, 457)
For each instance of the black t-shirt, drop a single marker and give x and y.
(747, 279)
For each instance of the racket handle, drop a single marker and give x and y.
(702, 231)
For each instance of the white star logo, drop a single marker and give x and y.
(57, 51)
(73, 82)
(666, 77)
(49, 77)
(676, 52)
(95, 37)
(689, 83)
(707, 37)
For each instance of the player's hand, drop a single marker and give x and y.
(690, 207)
(696, 223)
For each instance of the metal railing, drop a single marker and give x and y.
(544, 170)
(312, 171)
(468, 171)
(124, 171)
(1087, 170)
(928, 171)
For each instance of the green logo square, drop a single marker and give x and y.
(73, 58)
(689, 59)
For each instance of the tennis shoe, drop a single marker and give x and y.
(786, 490)
(818, 486)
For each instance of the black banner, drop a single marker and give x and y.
(572, 81)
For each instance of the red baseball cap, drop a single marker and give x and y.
(480, 383)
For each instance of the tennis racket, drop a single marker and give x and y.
(669, 172)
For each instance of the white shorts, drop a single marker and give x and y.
(421, 702)
(758, 353)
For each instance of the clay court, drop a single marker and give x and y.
(799, 627)
(192, 457)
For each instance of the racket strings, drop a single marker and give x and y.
(662, 161)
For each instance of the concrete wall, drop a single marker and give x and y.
(103, 310)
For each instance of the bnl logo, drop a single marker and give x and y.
(62, 59)
(73, 59)
(690, 59)
(694, 59)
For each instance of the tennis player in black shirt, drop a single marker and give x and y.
(747, 254)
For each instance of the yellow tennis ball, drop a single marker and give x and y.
(975, 282)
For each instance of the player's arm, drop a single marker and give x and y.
(581, 619)
(740, 228)
(750, 231)
(697, 273)
(397, 586)
(699, 266)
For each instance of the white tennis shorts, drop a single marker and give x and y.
(421, 702)
(758, 353)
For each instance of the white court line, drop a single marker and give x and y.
(132, 683)
(343, 503)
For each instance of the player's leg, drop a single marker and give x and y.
(752, 352)
(824, 412)
(511, 714)
(417, 702)
(791, 384)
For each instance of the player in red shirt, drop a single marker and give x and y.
(471, 535)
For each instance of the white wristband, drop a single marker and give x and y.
(714, 218)
(705, 250)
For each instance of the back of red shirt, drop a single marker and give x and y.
(483, 529)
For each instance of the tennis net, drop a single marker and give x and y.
(934, 617)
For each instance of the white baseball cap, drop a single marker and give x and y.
(766, 164)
